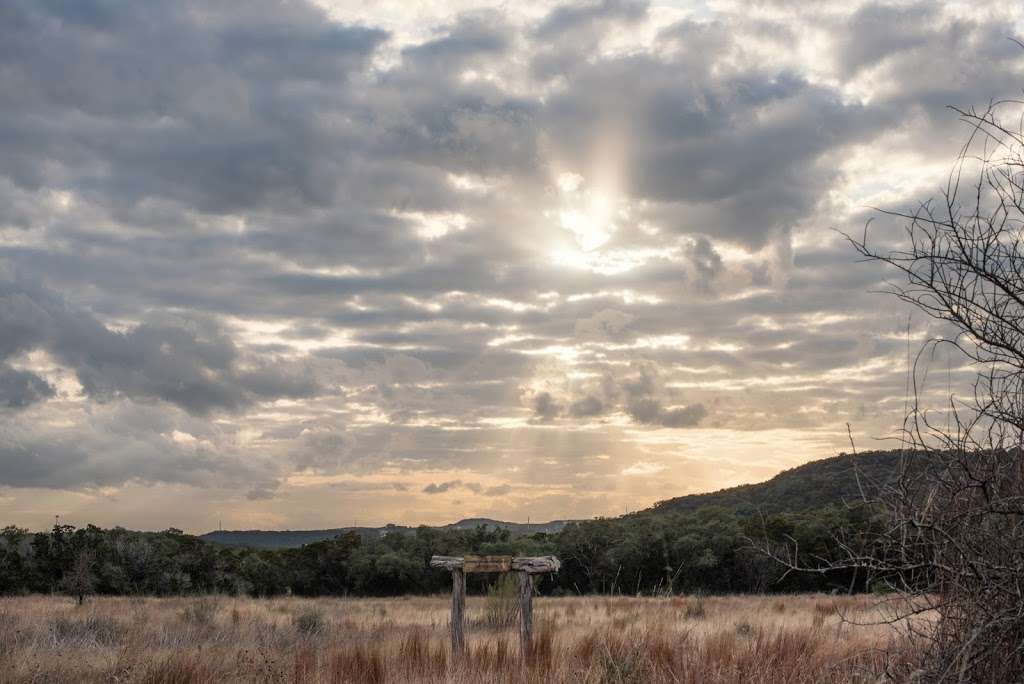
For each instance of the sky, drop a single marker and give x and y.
(310, 264)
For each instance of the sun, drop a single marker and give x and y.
(592, 227)
(587, 213)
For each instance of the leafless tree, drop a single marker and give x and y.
(78, 580)
(950, 535)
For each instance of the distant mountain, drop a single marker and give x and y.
(806, 487)
(281, 539)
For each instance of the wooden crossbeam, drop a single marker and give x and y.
(534, 565)
(530, 564)
(486, 563)
(524, 567)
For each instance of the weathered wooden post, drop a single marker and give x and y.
(524, 566)
(458, 612)
(525, 613)
(454, 565)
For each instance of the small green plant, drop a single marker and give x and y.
(501, 608)
(309, 622)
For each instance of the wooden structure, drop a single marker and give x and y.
(523, 566)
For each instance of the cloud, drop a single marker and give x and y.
(707, 262)
(586, 407)
(651, 412)
(19, 389)
(194, 367)
(607, 324)
(442, 487)
(575, 16)
(111, 445)
(296, 244)
(322, 447)
(545, 409)
(474, 487)
(360, 486)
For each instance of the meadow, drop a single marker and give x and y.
(750, 639)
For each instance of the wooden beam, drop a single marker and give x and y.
(486, 563)
(536, 564)
(458, 612)
(446, 562)
(525, 613)
(531, 564)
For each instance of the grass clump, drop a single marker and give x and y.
(501, 608)
(309, 622)
(695, 610)
(92, 629)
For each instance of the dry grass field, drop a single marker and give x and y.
(594, 639)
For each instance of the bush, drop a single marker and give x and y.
(309, 622)
(501, 609)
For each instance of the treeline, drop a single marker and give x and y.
(708, 551)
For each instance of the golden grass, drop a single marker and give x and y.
(765, 639)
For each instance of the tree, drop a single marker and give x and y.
(78, 579)
(952, 533)
(955, 538)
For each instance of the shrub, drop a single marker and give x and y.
(309, 622)
(501, 609)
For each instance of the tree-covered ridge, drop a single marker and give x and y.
(694, 549)
(826, 482)
(832, 481)
(704, 551)
(281, 539)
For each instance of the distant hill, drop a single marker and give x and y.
(806, 487)
(282, 539)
